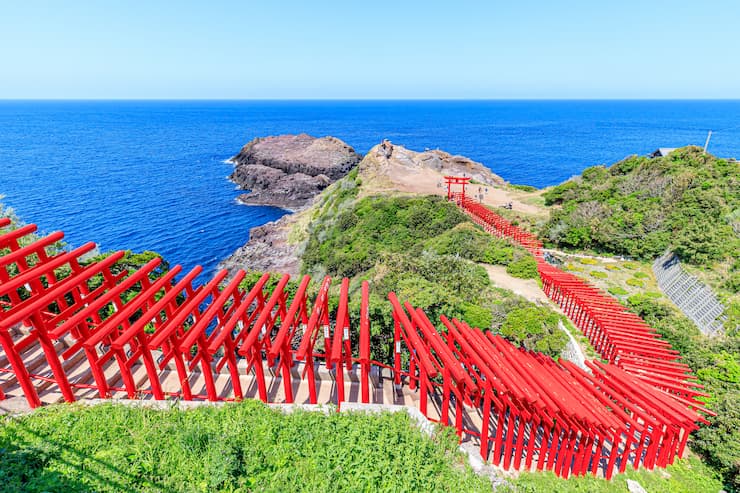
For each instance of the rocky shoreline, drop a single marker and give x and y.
(268, 250)
(287, 171)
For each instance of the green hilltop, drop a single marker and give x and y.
(687, 201)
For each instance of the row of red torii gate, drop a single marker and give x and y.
(72, 329)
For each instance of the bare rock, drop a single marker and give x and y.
(289, 170)
(394, 167)
(267, 250)
(635, 487)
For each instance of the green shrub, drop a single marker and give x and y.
(640, 275)
(635, 282)
(598, 274)
(630, 265)
(535, 328)
(612, 267)
(470, 242)
(352, 242)
(524, 188)
(523, 268)
(560, 193)
(588, 261)
(618, 291)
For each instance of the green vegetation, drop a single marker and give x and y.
(7, 212)
(524, 188)
(523, 268)
(687, 475)
(235, 448)
(588, 261)
(424, 249)
(611, 267)
(641, 275)
(533, 329)
(598, 274)
(631, 265)
(640, 207)
(359, 234)
(618, 291)
(635, 282)
(132, 262)
(717, 363)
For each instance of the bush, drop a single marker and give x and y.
(640, 275)
(618, 291)
(598, 274)
(470, 242)
(631, 265)
(588, 261)
(351, 243)
(635, 282)
(524, 188)
(535, 328)
(523, 268)
(612, 267)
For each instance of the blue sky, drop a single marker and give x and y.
(370, 49)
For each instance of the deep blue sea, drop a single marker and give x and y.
(151, 174)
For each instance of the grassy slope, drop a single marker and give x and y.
(237, 447)
(687, 475)
(426, 250)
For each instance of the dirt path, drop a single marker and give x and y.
(530, 290)
(526, 288)
(427, 182)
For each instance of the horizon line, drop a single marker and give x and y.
(349, 99)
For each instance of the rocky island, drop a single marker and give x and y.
(289, 170)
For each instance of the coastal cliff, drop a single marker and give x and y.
(387, 168)
(289, 170)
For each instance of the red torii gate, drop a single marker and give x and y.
(641, 408)
(619, 336)
(456, 180)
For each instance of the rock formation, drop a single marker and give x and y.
(393, 167)
(387, 168)
(289, 170)
(268, 249)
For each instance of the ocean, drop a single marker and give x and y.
(152, 174)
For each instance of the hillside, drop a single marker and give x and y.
(639, 207)
(423, 248)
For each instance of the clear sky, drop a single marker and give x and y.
(370, 49)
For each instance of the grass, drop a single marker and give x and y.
(687, 475)
(588, 261)
(618, 291)
(235, 448)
